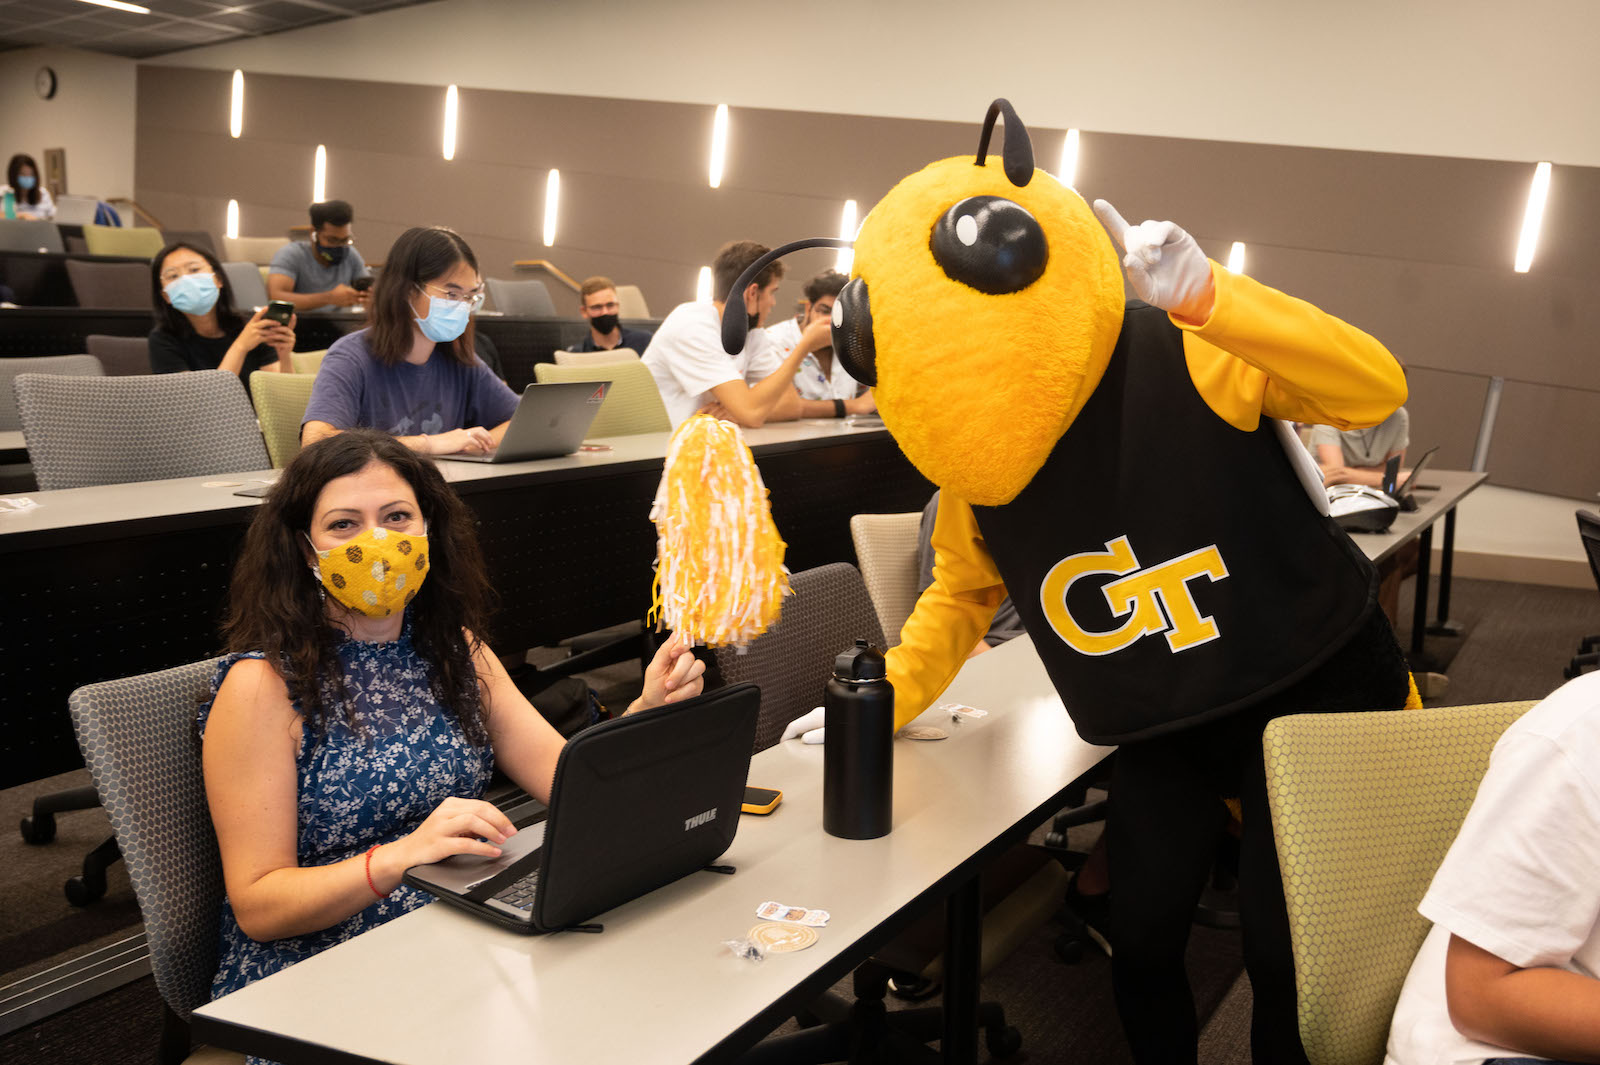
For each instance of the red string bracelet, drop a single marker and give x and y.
(370, 884)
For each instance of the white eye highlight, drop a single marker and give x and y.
(967, 230)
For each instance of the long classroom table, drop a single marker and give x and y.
(119, 580)
(456, 989)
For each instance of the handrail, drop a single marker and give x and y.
(549, 267)
(137, 210)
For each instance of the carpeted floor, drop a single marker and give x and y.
(1517, 640)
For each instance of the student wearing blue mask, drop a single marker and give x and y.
(30, 199)
(414, 371)
(197, 327)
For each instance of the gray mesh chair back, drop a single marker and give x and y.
(793, 660)
(110, 286)
(249, 290)
(84, 431)
(120, 356)
(30, 234)
(63, 365)
(138, 738)
(527, 299)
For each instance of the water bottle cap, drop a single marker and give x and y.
(859, 663)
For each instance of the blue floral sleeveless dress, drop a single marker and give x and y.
(358, 790)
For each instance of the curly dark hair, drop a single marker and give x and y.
(276, 607)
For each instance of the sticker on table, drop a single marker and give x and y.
(777, 911)
(782, 938)
(221, 484)
(923, 732)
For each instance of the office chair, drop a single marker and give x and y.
(1364, 807)
(139, 242)
(60, 365)
(791, 663)
(30, 234)
(307, 362)
(249, 289)
(110, 286)
(120, 356)
(886, 547)
(596, 358)
(632, 406)
(280, 400)
(631, 302)
(85, 431)
(524, 299)
(199, 237)
(1588, 656)
(138, 740)
(258, 250)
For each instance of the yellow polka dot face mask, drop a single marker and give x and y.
(376, 573)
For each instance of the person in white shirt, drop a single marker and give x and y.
(821, 379)
(694, 373)
(32, 199)
(1511, 968)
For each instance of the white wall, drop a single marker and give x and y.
(92, 116)
(1465, 78)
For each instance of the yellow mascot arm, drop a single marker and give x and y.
(1265, 352)
(950, 616)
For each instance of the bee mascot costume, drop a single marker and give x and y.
(1118, 465)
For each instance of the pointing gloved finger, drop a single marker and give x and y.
(1113, 222)
(805, 723)
(814, 736)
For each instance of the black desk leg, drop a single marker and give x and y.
(963, 946)
(1419, 610)
(1442, 625)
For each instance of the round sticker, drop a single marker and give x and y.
(782, 938)
(924, 732)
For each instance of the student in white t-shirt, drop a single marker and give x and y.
(1511, 969)
(693, 372)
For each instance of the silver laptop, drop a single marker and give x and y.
(550, 421)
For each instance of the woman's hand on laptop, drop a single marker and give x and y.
(456, 826)
(473, 441)
(674, 674)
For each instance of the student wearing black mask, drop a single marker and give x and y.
(324, 273)
(599, 298)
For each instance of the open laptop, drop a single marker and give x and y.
(550, 421)
(637, 803)
(1391, 472)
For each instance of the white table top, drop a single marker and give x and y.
(204, 499)
(1436, 492)
(438, 986)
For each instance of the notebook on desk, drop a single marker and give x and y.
(549, 421)
(637, 803)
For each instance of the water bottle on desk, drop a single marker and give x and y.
(858, 758)
(8, 204)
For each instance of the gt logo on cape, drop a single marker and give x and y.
(1154, 600)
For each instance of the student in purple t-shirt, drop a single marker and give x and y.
(412, 372)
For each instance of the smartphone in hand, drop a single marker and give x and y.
(279, 311)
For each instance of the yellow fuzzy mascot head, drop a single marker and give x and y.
(983, 306)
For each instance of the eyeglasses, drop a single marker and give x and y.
(169, 276)
(603, 308)
(455, 295)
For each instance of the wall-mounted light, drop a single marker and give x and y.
(233, 220)
(1236, 257)
(552, 206)
(319, 176)
(1068, 173)
(1533, 218)
(119, 5)
(847, 231)
(450, 123)
(719, 144)
(702, 285)
(236, 105)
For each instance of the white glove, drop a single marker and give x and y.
(1165, 266)
(808, 728)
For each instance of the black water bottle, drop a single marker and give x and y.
(858, 752)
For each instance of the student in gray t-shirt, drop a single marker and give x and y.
(1357, 456)
(320, 275)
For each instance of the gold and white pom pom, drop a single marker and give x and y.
(720, 578)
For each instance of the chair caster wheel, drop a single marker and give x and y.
(1055, 840)
(1069, 948)
(1002, 1042)
(81, 892)
(38, 830)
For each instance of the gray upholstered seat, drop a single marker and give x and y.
(120, 356)
(110, 286)
(107, 430)
(65, 365)
(528, 299)
(138, 738)
(793, 660)
(249, 290)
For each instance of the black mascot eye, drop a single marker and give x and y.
(852, 333)
(990, 243)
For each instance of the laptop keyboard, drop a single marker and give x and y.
(520, 893)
